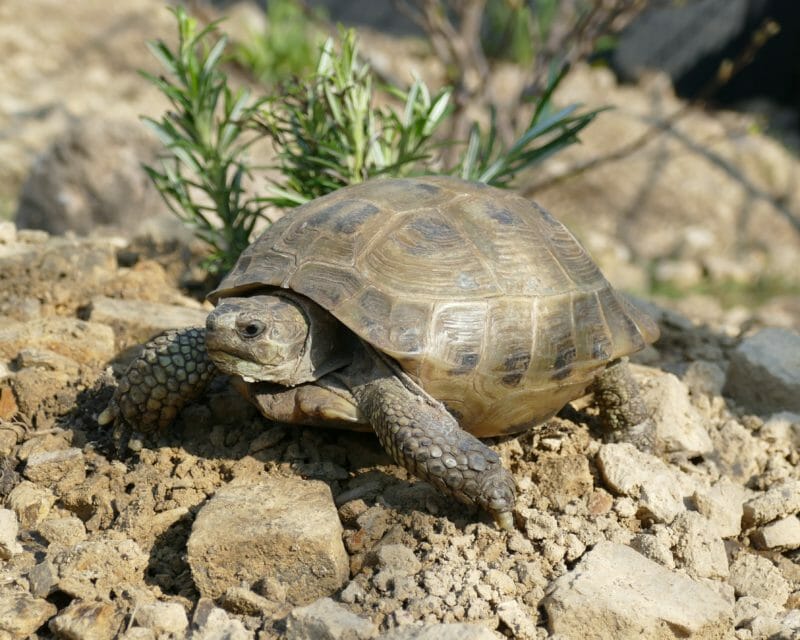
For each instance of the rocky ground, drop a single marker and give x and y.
(229, 526)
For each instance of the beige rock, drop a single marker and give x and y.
(679, 426)
(451, 631)
(64, 469)
(659, 488)
(84, 342)
(777, 502)
(140, 320)
(563, 478)
(518, 619)
(722, 506)
(755, 576)
(67, 531)
(162, 617)
(21, 614)
(30, 502)
(210, 623)
(91, 569)
(698, 548)
(9, 528)
(87, 621)
(616, 593)
(246, 532)
(783, 534)
(327, 620)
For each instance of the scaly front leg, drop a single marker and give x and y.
(172, 370)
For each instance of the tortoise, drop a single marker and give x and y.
(432, 310)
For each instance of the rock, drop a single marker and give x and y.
(139, 320)
(782, 431)
(162, 617)
(660, 489)
(63, 469)
(327, 620)
(698, 548)
(248, 531)
(738, 453)
(764, 373)
(43, 579)
(398, 559)
(93, 568)
(679, 426)
(30, 502)
(245, 602)
(91, 177)
(755, 576)
(452, 631)
(779, 501)
(87, 621)
(83, 342)
(66, 532)
(564, 478)
(517, 619)
(616, 593)
(747, 608)
(781, 534)
(683, 274)
(9, 528)
(722, 506)
(21, 614)
(212, 623)
(704, 378)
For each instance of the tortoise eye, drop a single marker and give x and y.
(251, 329)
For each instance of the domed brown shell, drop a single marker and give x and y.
(480, 295)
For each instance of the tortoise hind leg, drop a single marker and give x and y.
(422, 436)
(622, 409)
(172, 370)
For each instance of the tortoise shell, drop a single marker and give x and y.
(486, 300)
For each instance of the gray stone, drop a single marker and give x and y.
(87, 621)
(43, 579)
(212, 623)
(246, 532)
(21, 614)
(755, 576)
(747, 608)
(704, 378)
(162, 617)
(659, 488)
(327, 620)
(616, 593)
(9, 529)
(679, 426)
(65, 468)
(141, 320)
(91, 177)
(764, 373)
(779, 501)
(452, 631)
(782, 535)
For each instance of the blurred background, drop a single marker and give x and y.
(684, 188)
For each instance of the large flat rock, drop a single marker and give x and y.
(285, 528)
(616, 593)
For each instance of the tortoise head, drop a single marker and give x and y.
(276, 337)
